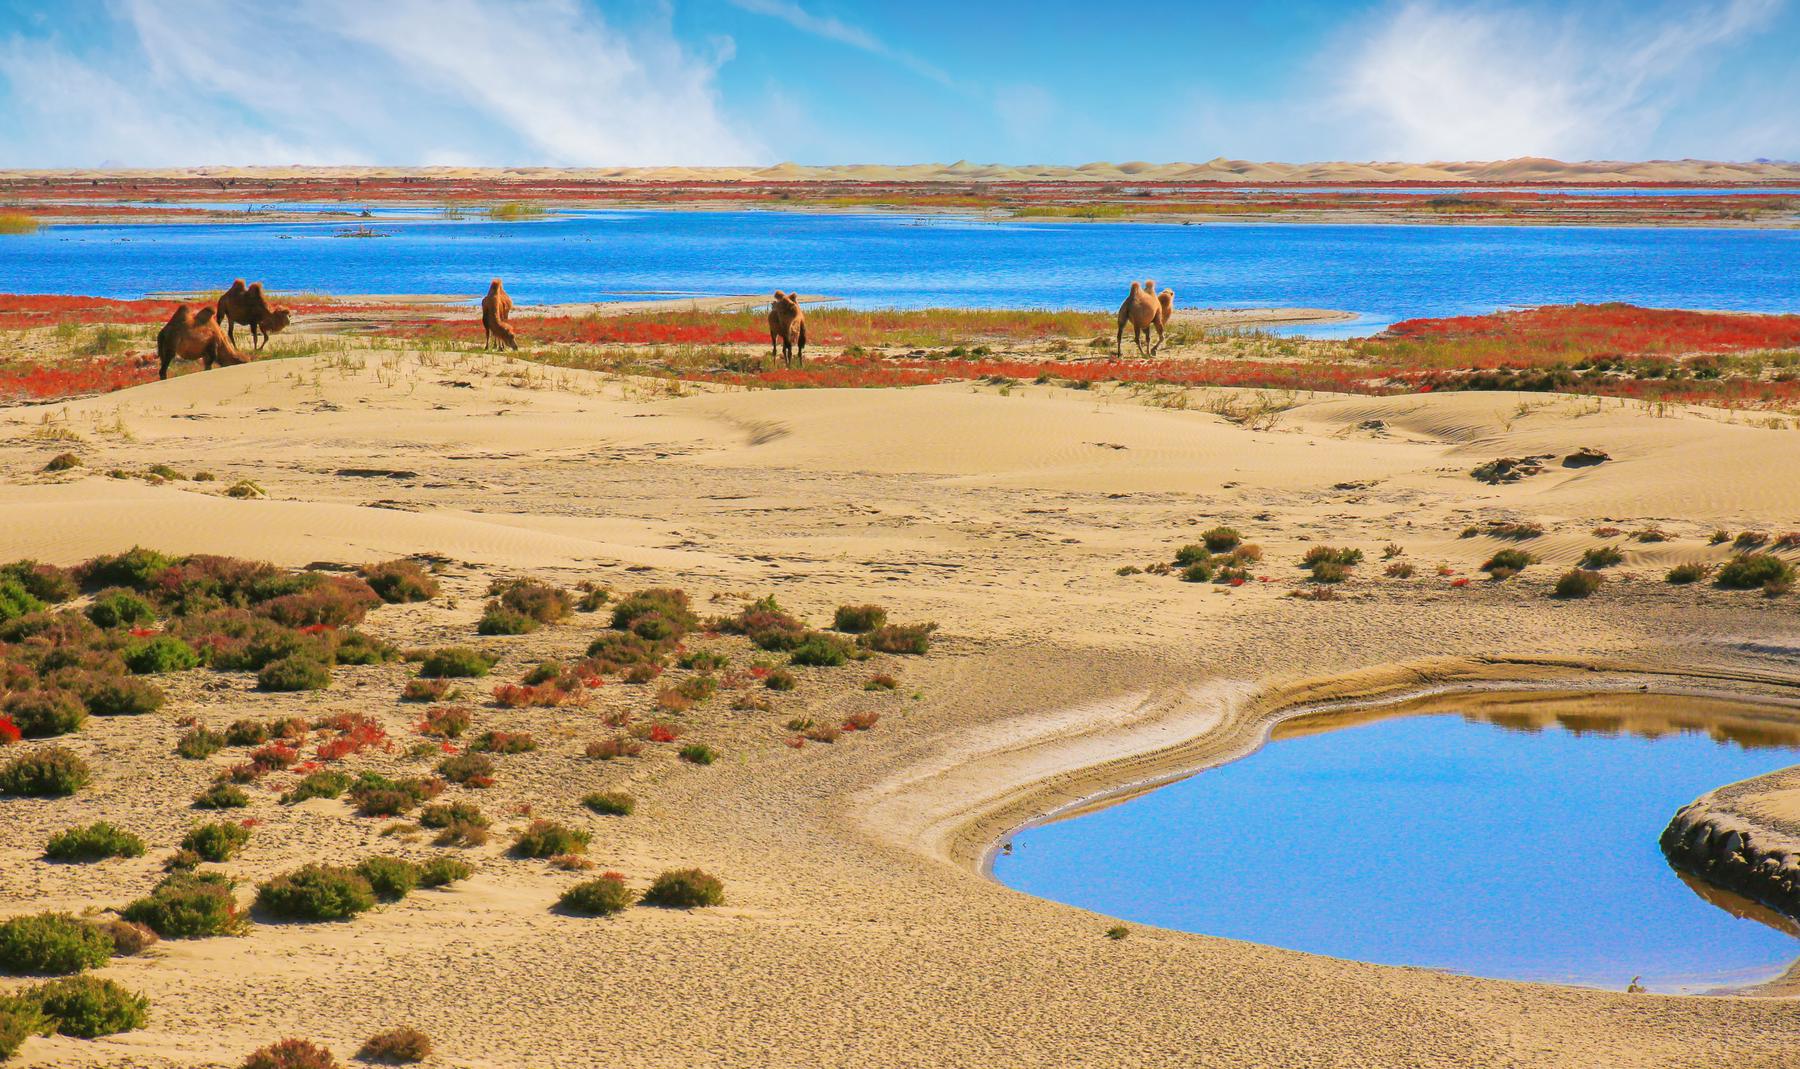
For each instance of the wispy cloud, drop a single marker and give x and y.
(347, 81)
(1443, 81)
(833, 29)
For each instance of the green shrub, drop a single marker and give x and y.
(544, 838)
(16, 601)
(452, 813)
(123, 696)
(199, 742)
(378, 796)
(598, 898)
(685, 889)
(1514, 560)
(45, 582)
(119, 608)
(20, 1019)
(540, 602)
(51, 944)
(350, 646)
(440, 871)
(1578, 583)
(187, 905)
(92, 843)
(48, 773)
(858, 618)
(498, 620)
(820, 650)
(1330, 571)
(391, 878)
(42, 714)
(1752, 570)
(216, 842)
(1691, 572)
(316, 893)
(292, 1054)
(1200, 571)
(1221, 539)
(455, 662)
(325, 783)
(222, 796)
(164, 653)
(298, 672)
(1345, 556)
(912, 639)
(248, 732)
(137, 568)
(780, 679)
(396, 1046)
(699, 753)
(669, 604)
(468, 769)
(610, 803)
(87, 1007)
(399, 581)
(1601, 557)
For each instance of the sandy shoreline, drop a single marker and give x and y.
(859, 929)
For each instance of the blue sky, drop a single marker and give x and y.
(594, 82)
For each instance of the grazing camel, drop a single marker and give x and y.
(190, 335)
(787, 326)
(496, 316)
(248, 305)
(273, 323)
(1141, 311)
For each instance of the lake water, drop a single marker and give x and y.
(1384, 273)
(1438, 841)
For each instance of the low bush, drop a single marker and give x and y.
(1516, 560)
(914, 639)
(123, 696)
(216, 842)
(137, 568)
(446, 721)
(1750, 539)
(505, 742)
(15, 601)
(20, 1019)
(822, 732)
(1691, 572)
(338, 601)
(610, 803)
(164, 653)
(42, 714)
(780, 679)
(326, 783)
(665, 602)
(48, 773)
(294, 673)
(51, 944)
(350, 646)
(316, 893)
(45, 582)
(1200, 571)
(378, 796)
(539, 602)
(499, 620)
(1752, 570)
(598, 898)
(703, 661)
(248, 732)
(1400, 570)
(468, 770)
(128, 939)
(292, 1054)
(1221, 539)
(1601, 557)
(1330, 571)
(443, 871)
(87, 1007)
(396, 1046)
(187, 906)
(881, 681)
(617, 746)
(222, 796)
(685, 889)
(1578, 583)
(399, 581)
(593, 596)
(424, 690)
(391, 878)
(456, 662)
(861, 721)
(96, 841)
(1330, 554)
(452, 813)
(119, 608)
(698, 753)
(62, 462)
(545, 838)
(857, 619)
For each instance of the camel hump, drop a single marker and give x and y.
(1137, 287)
(495, 287)
(202, 317)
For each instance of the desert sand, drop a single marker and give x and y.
(859, 928)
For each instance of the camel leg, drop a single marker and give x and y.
(1119, 342)
(1159, 338)
(774, 345)
(800, 350)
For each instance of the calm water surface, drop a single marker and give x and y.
(1433, 841)
(1383, 273)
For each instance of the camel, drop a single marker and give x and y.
(248, 305)
(787, 326)
(1141, 310)
(190, 335)
(1166, 312)
(496, 314)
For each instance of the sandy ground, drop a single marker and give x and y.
(860, 930)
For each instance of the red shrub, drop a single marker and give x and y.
(9, 731)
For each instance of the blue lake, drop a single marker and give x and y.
(1384, 273)
(1437, 841)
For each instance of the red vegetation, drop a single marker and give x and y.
(9, 731)
(1570, 333)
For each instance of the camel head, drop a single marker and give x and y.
(276, 321)
(1167, 297)
(495, 287)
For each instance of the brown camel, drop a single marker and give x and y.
(496, 315)
(787, 327)
(190, 335)
(1165, 312)
(1140, 310)
(250, 306)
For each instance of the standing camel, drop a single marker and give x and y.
(249, 306)
(496, 315)
(1141, 311)
(1165, 312)
(189, 335)
(787, 327)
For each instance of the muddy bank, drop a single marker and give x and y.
(1745, 838)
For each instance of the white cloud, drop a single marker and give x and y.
(833, 29)
(1443, 82)
(354, 81)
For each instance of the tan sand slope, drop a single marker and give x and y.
(858, 931)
